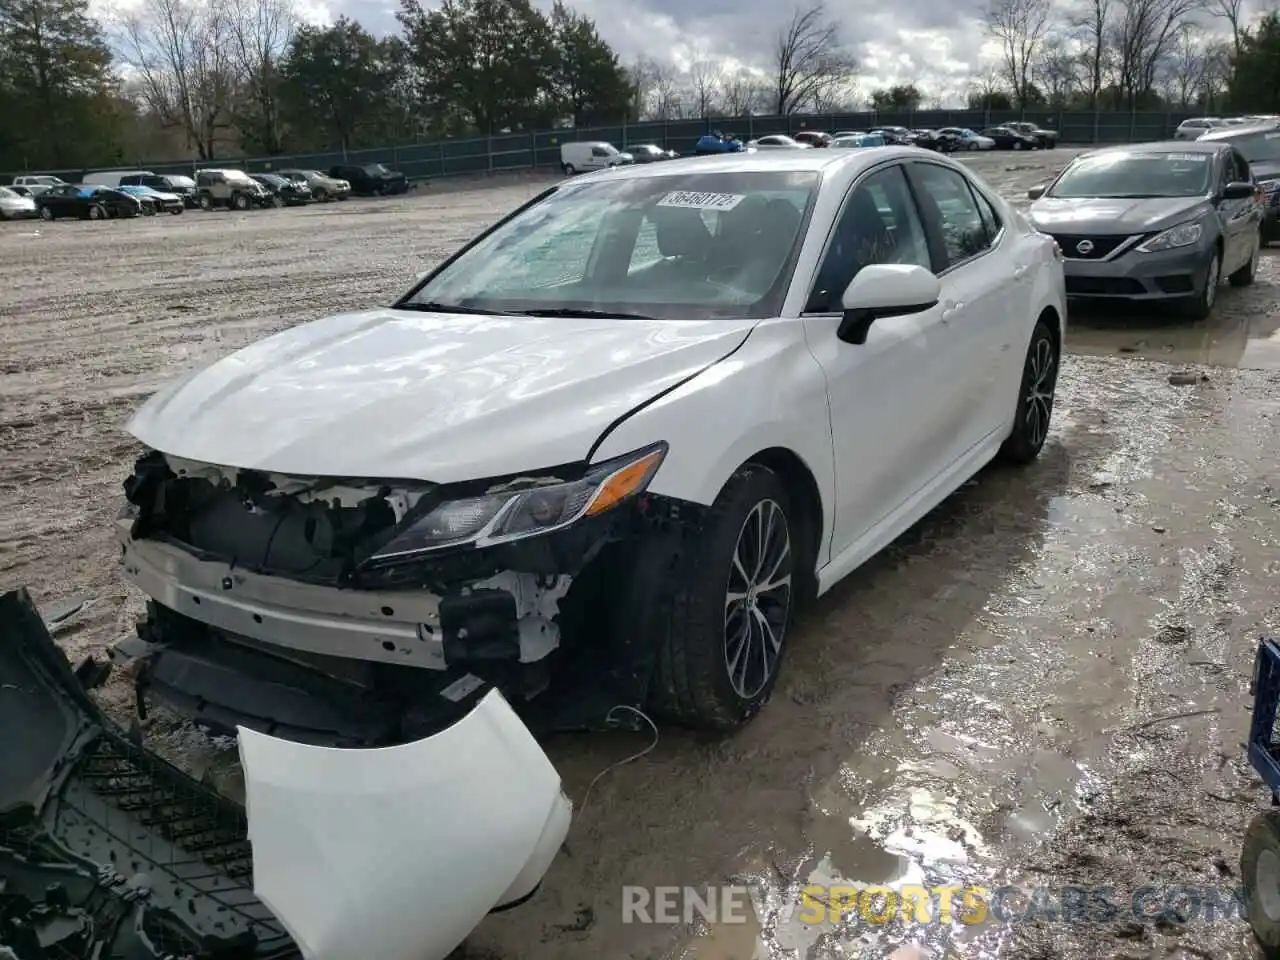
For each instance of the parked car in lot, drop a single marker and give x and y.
(684, 419)
(155, 201)
(323, 187)
(650, 153)
(1046, 138)
(858, 140)
(895, 136)
(37, 183)
(115, 178)
(583, 155)
(285, 192)
(777, 141)
(1259, 144)
(966, 139)
(814, 138)
(229, 189)
(15, 206)
(715, 143)
(87, 202)
(937, 141)
(1007, 138)
(1195, 127)
(371, 179)
(183, 186)
(1160, 223)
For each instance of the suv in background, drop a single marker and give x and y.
(322, 187)
(371, 179)
(1194, 127)
(230, 188)
(37, 184)
(184, 187)
(1045, 138)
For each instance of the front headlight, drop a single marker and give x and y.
(1183, 235)
(531, 511)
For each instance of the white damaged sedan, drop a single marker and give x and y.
(622, 436)
(601, 456)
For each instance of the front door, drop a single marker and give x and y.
(879, 392)
(1239, 218)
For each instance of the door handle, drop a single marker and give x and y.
(949, 310)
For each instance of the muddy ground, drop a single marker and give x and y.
(1045, 683)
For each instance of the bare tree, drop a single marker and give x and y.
(181, 51)
(260, 31)
(1144, 32)
(706, 79)
(745, 93)
(641, 73)
(1020, 26)
(664, 92)
(1231, 11)
(809, 59)
(1094, 27)
(1059, 71)
(843, 98)
(1184, 69)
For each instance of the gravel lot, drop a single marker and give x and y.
(1044, 683)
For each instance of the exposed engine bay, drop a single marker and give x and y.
(363, 612)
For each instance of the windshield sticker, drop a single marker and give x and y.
(694, 200)
(1188, 157)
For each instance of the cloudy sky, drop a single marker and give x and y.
(939, 46)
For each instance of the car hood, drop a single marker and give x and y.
(1111, 216)
(405, 395)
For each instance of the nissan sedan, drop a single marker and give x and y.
(1155, 223)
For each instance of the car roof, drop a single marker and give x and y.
(1202, 145)
(1227, 134)
(769, 160)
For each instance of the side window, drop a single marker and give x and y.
(963, 231)
(879, 224)
(599, 152)
(1242, 171)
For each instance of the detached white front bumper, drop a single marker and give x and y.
(397, 853)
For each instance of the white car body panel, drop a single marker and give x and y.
(399, 852)
(397, 394)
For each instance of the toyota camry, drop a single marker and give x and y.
(624, 435)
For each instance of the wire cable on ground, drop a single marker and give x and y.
(609, 718)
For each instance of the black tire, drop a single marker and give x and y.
(240, 201)
(206, 202)
(1036, 389)
(1246, 274)
(569, 169)
(47, 214)
(175, 210)
(342, 196)
(320, 195)
(1201, 305)
(692, 683)
(98, 212)
(1017, 144)
(1260, 877)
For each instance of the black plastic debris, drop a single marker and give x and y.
(107, 851)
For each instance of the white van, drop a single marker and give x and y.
(590, 155)
(111, 178)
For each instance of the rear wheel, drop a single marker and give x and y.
(320, 195)
(240, 201)
(568, 169)
(206, 201)
(1035, 398)
(1017, 144)
(97, 212)
(46, 213)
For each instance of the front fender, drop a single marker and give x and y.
(770, 393)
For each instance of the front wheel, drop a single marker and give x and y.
(1200, 306)
(206, 202)
(46, 213)
(1035, 398)
(1260, 876)
(1017, 145)
(97, 212)
(727, 606)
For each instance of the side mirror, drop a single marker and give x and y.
(885, 290)
(1036, 192)
(1238, 191)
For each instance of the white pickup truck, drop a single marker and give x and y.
(37, 184)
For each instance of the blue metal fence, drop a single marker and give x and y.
(526, 151)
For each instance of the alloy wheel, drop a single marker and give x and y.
(1041, 382)
(757, 602)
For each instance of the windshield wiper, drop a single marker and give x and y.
(595, 314)
(433, 306)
